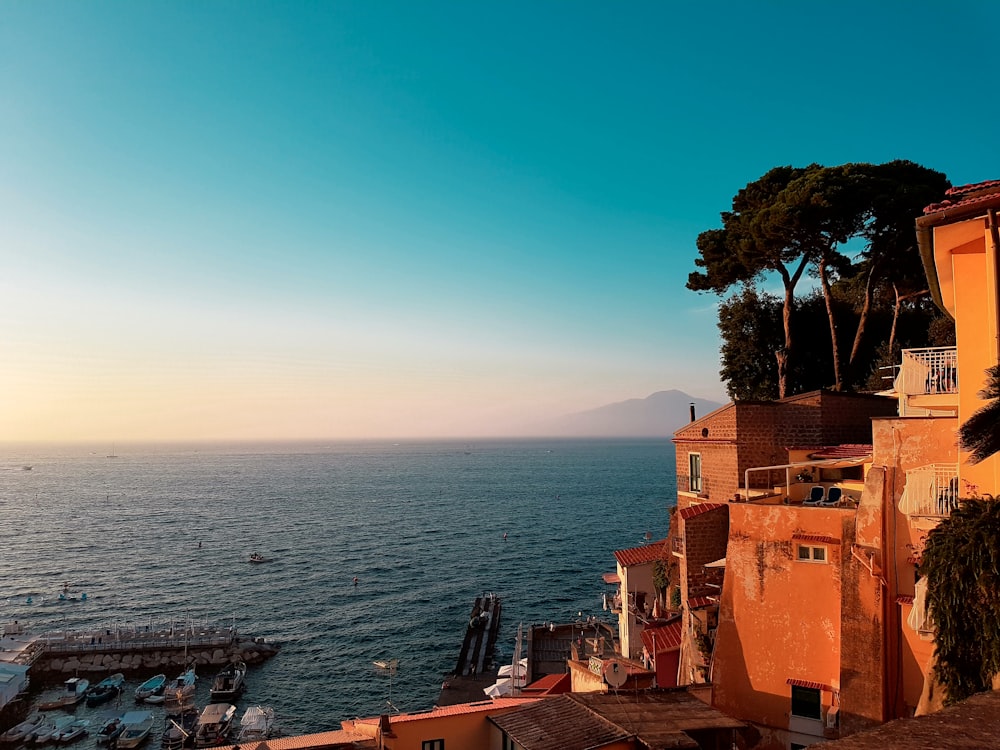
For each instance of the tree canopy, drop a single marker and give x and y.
(805, 221)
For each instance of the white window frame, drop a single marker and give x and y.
(815, 553)
(694, 484)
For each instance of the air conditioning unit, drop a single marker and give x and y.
(831, 717)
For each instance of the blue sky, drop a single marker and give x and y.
(361, 219)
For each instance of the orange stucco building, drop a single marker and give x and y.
(820, 631)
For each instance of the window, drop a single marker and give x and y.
(797, 746)
(811, 553)
(694, 472)
(806, 702)
(432, 745)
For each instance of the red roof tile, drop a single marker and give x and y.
(663, 638)
(697, 602)
(904, 599)
(967, 196)
(639, 555)
(696, 510)
(611, 578)
(808, 684)
(816, 538)
(848, 450)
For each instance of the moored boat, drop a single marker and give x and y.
(72, 731)
(178, 731)
(214, 724)
(138, 724)
(178, 695)
(109, 730)
(256, 724)
(258, 558)
(153, 686)
(106, 689)
(75, 689)
(17, 732)
(49, 728)
(229, 683)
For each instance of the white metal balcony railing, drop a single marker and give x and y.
(928, 371)
(930, 490)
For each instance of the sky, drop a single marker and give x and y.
(337, 220)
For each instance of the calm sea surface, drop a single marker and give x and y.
(164, 532)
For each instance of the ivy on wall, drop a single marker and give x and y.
(961, 561)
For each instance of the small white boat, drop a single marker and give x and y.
(214, 725)
(48, 730)
(72, 732)
(153, 686)
(138, 725)
(258, 558)
(256, 724)
(18, 731)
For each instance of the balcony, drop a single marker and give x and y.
(931, 491)
(927, 381)
(677, 546)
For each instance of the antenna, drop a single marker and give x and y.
(388, 667)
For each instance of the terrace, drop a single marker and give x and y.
(828, 478)
(931, 491)
(927, 381)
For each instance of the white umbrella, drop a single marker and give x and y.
(498, 689)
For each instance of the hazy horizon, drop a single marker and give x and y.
(340, 221)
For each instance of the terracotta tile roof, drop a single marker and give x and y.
(697, 602)
(663, 638)
(577, 721)
(972, 724)
(558, 723)
(967, 196)
(816, 538)
(644, 554)
(611, 578)
(808, 684)
(342, 738)
(848, 450)
(696, 510)
(458, 709)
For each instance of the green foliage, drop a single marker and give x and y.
(961, 561)
(661, 575)
(794, 220)
(980, 434)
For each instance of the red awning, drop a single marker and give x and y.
(611, 579)
(808, 684)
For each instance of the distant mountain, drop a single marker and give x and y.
(658, 415)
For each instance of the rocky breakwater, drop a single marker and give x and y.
(58, 663)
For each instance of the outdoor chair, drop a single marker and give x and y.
(815, 495)
(832, 497)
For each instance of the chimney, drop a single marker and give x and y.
(692, 411)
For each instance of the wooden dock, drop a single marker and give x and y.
(476, 668)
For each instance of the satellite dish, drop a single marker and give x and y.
(614, 673)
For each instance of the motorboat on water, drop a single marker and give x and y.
(50, 728)
(256, 724)
(214, 724)
(72, 732)
(17, 732)
(178, 731)
(109, 730)
(106, 689)
(258, 558)
(75, 689)
(153, 686)
(137, 726)
(179, 692)
(229, 683)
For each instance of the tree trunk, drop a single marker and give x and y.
(824, 280)
(859, 334)
(785, 354)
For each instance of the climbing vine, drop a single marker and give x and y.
(961, 561)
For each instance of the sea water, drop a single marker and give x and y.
(161, 533)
